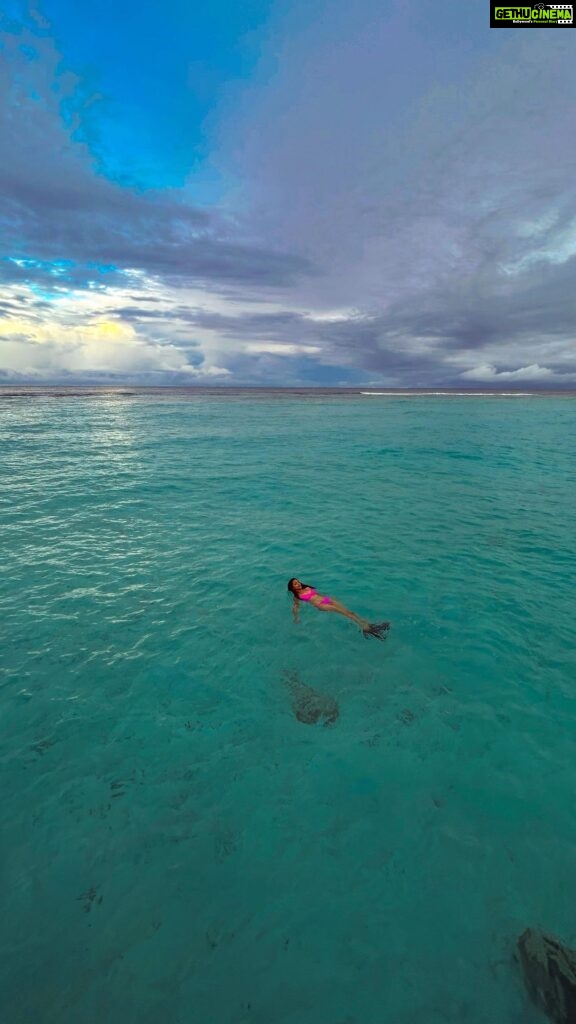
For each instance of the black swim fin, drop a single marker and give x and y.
(376, 629)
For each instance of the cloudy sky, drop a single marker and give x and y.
(378, 193)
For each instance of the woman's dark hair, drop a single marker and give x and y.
(291, 586)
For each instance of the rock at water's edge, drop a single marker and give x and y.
(550, 974)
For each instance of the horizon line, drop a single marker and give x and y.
(367, 389)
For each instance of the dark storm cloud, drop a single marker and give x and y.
(508, 322)
(432, 179)
(55, 207)
(134, 314)
(409, 191)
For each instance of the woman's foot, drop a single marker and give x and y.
(376, 629)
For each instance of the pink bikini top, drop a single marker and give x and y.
(306, 597)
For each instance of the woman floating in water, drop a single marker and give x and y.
(303, 592)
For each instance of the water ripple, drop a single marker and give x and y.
(175, 836)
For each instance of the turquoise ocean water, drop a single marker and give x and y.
(177, 845)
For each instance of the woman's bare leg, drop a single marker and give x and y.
(342, 610)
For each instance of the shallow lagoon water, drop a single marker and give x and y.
(178, 846)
